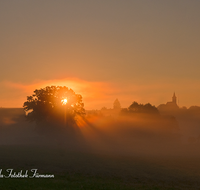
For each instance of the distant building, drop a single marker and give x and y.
(107, 111)
(112, 111)
(173, 103)
(169, 106)
(116, 105)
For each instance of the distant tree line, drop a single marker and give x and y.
(140, 108)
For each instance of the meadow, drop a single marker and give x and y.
(89, 170)
(108, 154)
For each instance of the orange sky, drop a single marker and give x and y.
(98, 94)
(137, 50)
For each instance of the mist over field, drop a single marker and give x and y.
(155, 147)
(139, 133)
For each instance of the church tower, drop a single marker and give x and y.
(174, 98)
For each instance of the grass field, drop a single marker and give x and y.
(88, 170)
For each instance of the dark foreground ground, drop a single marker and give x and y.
(104, 153)
(89, 170)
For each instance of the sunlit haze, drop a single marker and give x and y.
(140, 51)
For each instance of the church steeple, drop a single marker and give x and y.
(174, 98)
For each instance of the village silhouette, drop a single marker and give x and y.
(181, 123)
(138, 144)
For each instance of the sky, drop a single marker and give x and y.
(133, 50)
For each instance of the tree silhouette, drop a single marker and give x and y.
(141, 108)
(54, 104)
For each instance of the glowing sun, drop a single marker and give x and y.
(64, 101)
